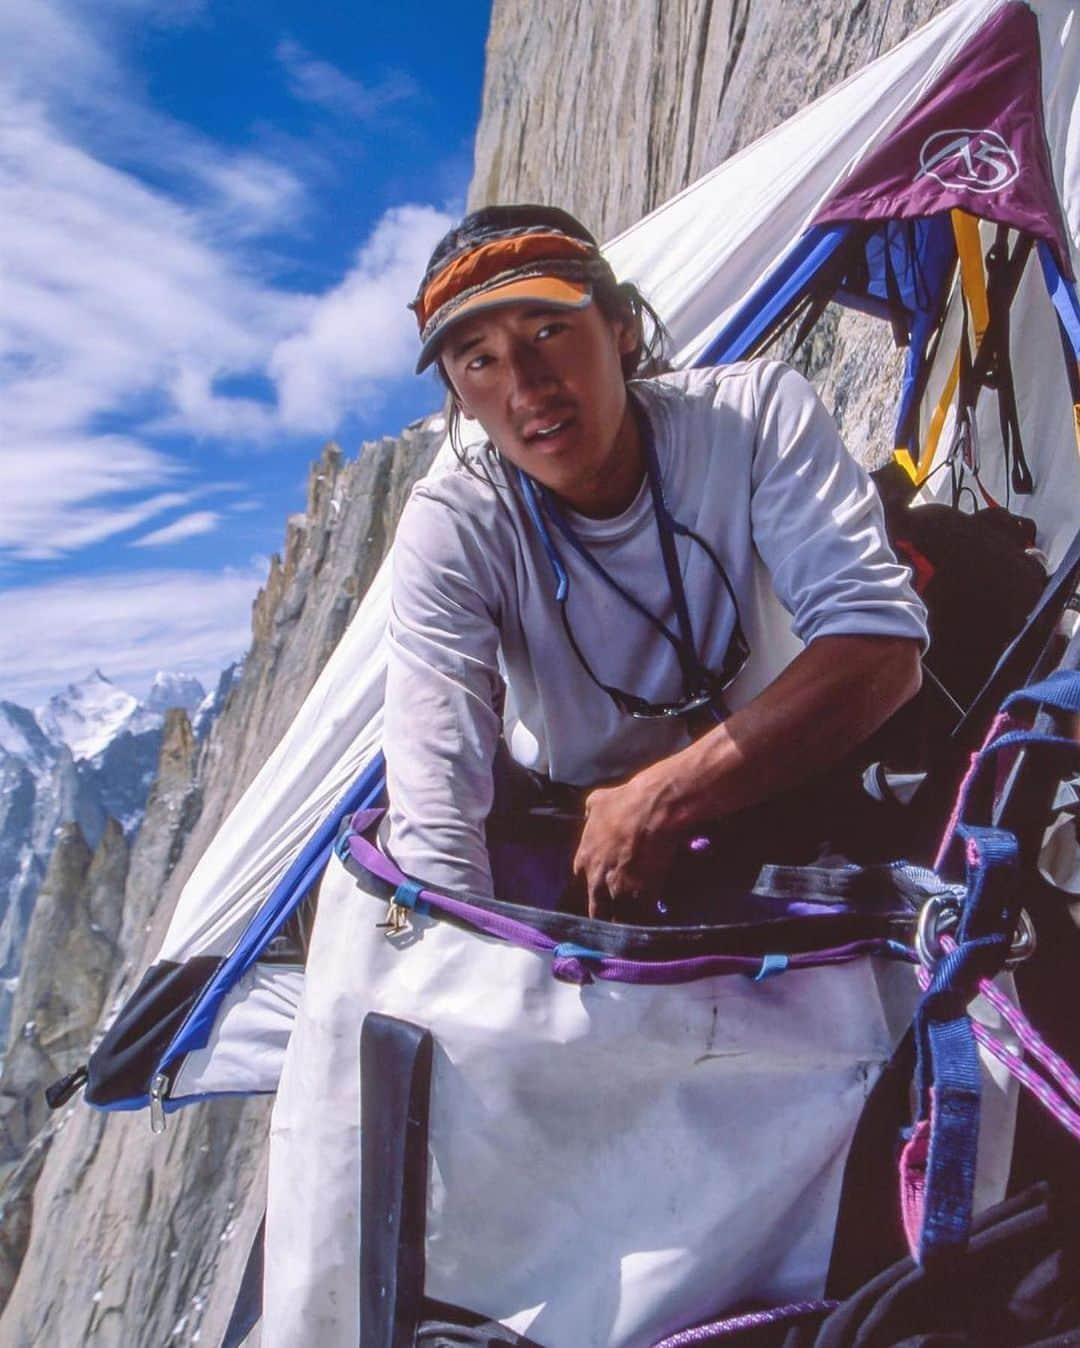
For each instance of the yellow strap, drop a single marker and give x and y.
(972, 275)
(937, 421)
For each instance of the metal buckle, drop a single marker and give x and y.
(397, 919)
(1024, 942)
(940, 916)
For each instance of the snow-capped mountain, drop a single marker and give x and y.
(87, 716)
(112, 736)
(21, 737)
(89, 753)
(176, 690)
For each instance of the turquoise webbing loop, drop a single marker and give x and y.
(567, 950)
(771, 965)
(407, 895)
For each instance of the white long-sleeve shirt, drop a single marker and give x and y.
(752, 462)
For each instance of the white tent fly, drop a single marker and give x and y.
(885, 194)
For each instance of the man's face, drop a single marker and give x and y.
(547, 386)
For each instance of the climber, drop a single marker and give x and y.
(670, 594)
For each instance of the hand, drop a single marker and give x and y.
(627, 846)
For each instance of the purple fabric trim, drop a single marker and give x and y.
(736, 1324)
(571, 968)
(976, 142)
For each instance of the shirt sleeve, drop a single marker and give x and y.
(443, 686)
(818, 523)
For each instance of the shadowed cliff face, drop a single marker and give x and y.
(607, 109)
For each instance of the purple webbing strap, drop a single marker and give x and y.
(709, 966)
(736, 1324)
(573, 966)
(366, 854)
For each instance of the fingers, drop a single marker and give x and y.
(614, 892)
(613, 899)
(604, 896)
(608, 860)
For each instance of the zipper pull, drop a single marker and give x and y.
(159, 1089)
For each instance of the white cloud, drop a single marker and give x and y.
(361, 331)
(61, 493)
(187, 526)
(130, 305)
(128, 625)
(315, 81)
(116, 298)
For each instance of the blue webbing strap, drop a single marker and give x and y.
(947, 1071)
(286, 896)
(1060, 690)
(934, 239)
(1062, 295)
(1064, 752)
(950, 1166)
(772, 297)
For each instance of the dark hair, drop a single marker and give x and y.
(615, 300)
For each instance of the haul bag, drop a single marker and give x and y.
(626, 1133)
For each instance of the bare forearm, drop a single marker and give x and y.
(834, 695)
(828, 700)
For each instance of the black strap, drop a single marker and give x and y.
(993, 364)
(1016, 664)
(665, 527)
(247, 1309)
(447, 1326)
(683, 645)
(395, 1093)
(868, 1236)
(60, 1092)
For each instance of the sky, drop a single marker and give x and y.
(212, 216)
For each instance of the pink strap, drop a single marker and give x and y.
(1001, 723)
(913, 1160)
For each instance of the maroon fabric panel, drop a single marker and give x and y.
(976, 142)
